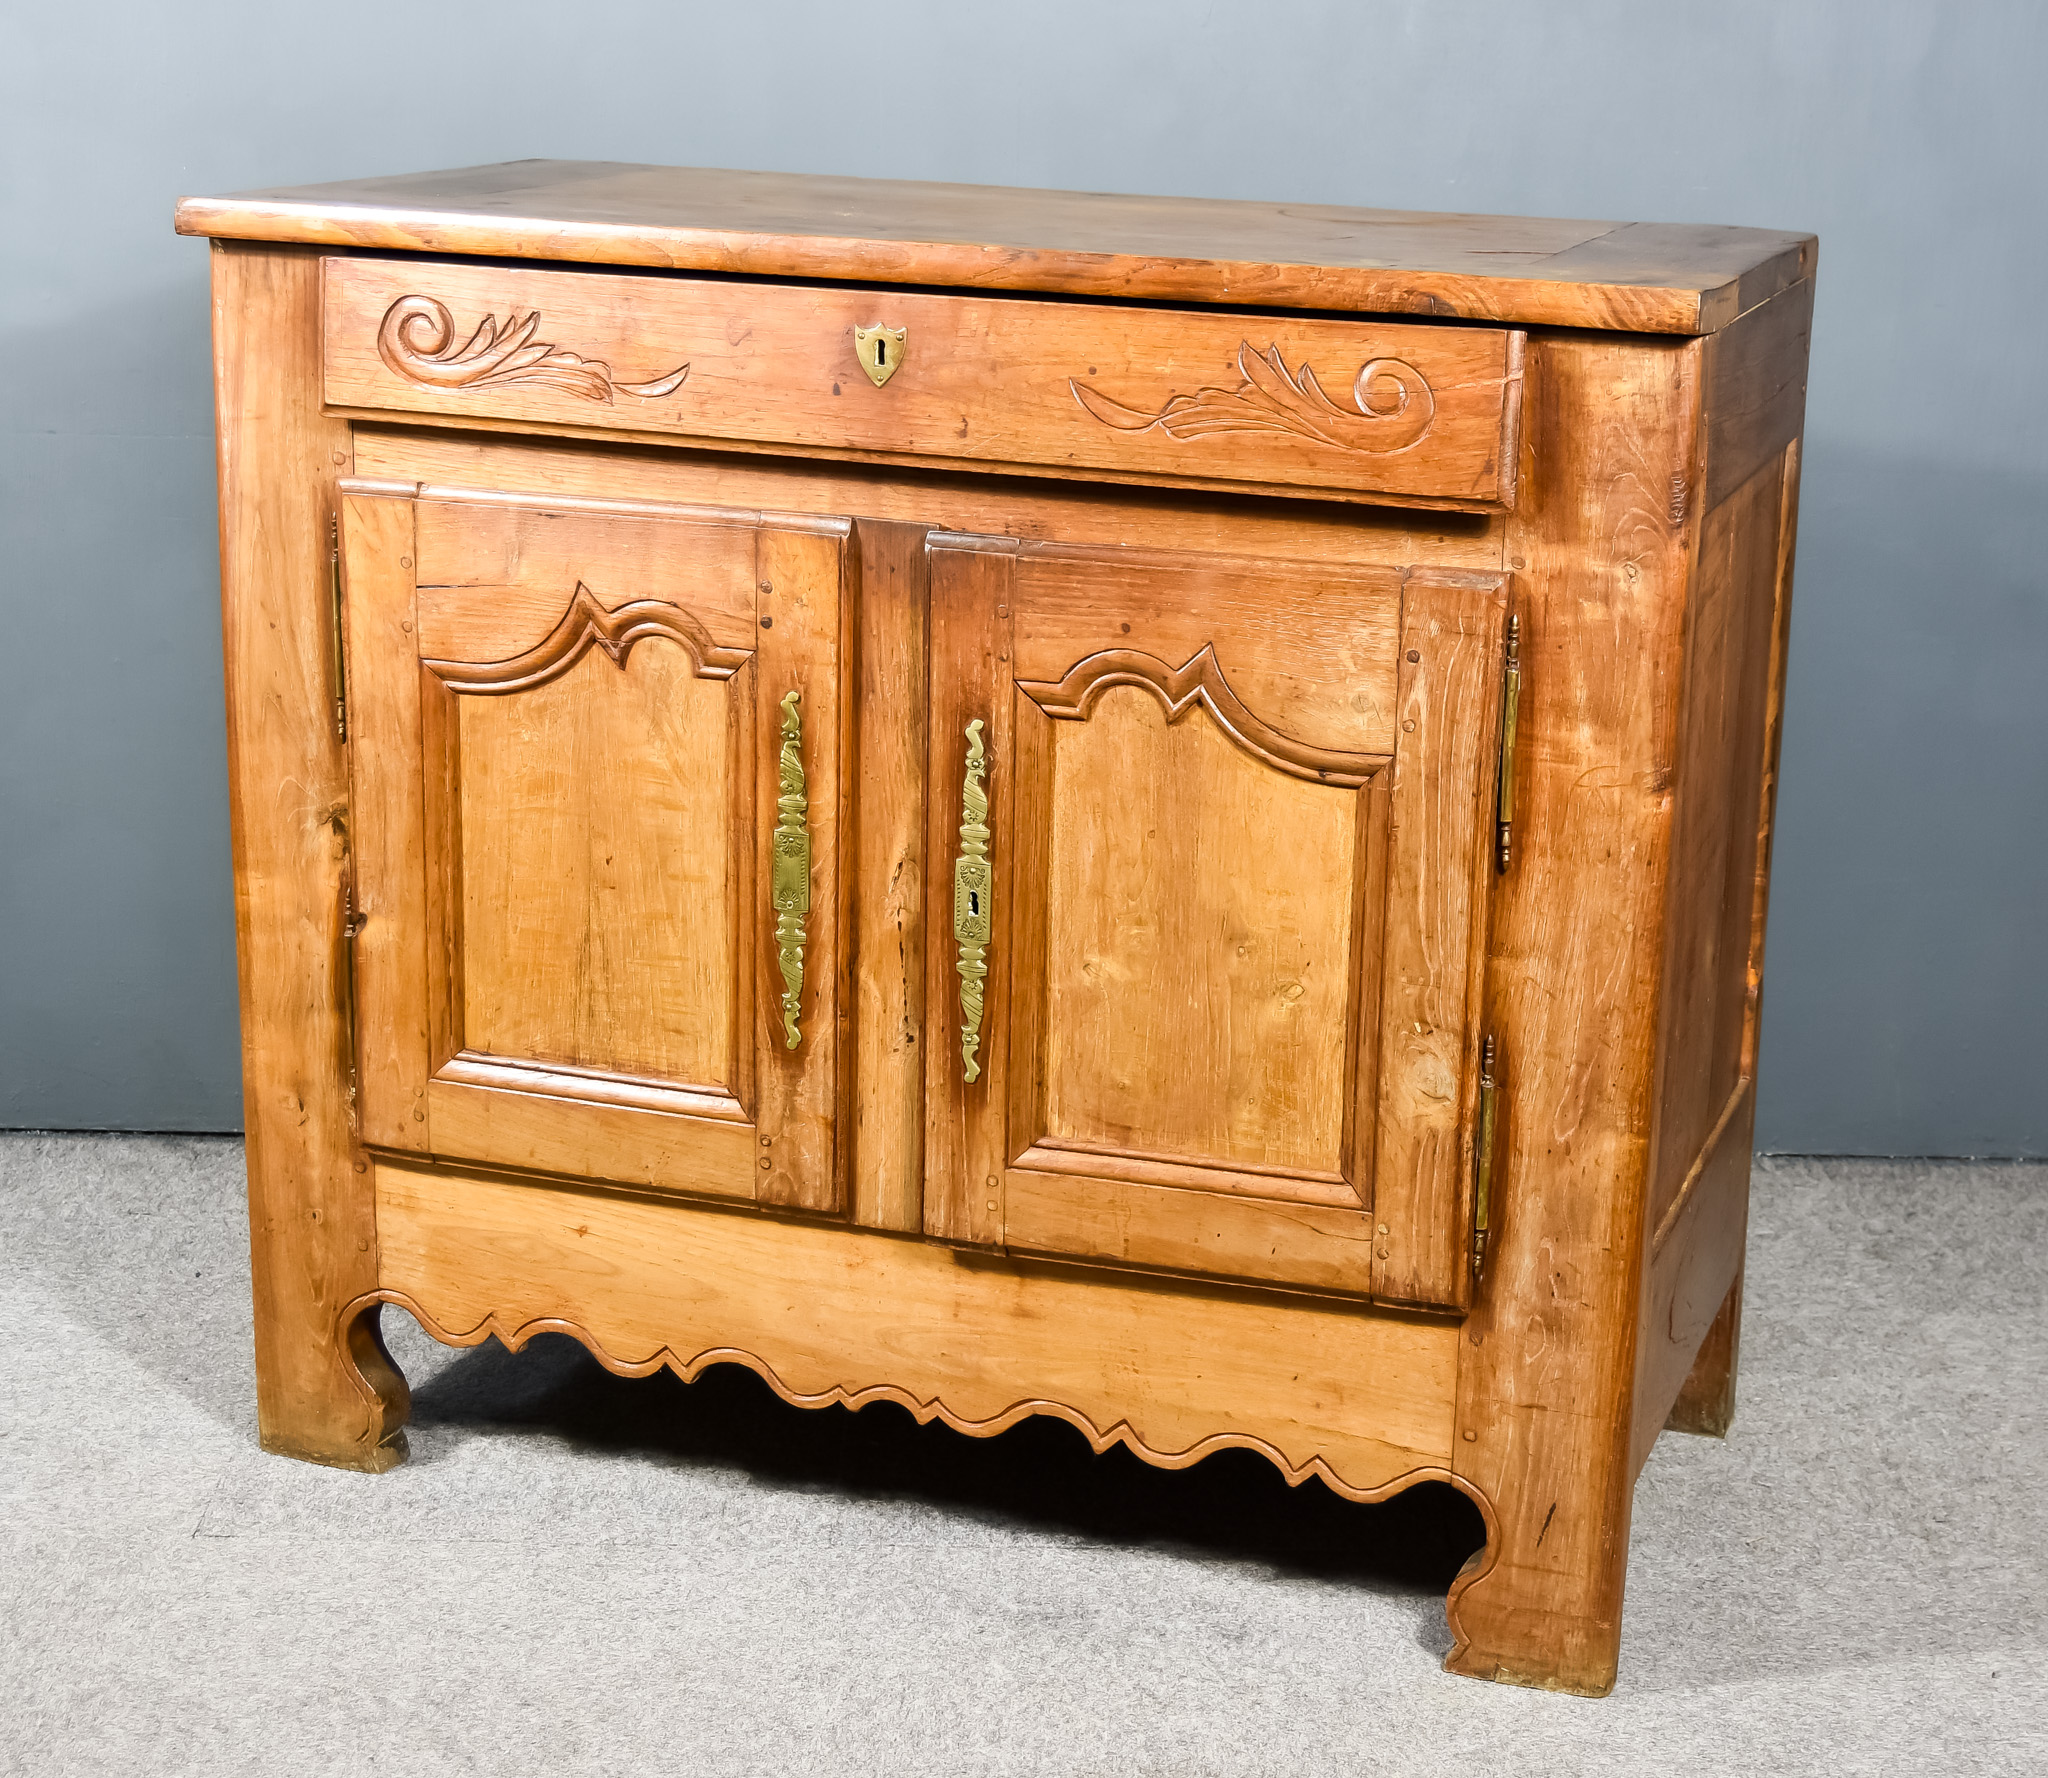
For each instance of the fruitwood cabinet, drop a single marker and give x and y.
(1149, 811)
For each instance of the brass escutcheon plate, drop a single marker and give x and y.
(880, 351)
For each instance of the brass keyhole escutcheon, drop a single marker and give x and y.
(880, 351)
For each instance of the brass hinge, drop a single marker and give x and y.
(334, 609)
(1482, 1189)
(353, 920)
(1510, 705)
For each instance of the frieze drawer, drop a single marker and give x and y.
(1415, 414)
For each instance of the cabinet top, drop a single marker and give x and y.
(1645, 277)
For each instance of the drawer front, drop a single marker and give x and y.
(1421, 414)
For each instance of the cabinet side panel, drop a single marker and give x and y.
(1705, 1403)
(1692, 1301)
(1756, 390)
(1691, 1278)
(1774, 734)
(1713, 844)
(312, 1220)
(1600, 552)
(888, 854)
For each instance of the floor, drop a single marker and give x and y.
(580, 1574)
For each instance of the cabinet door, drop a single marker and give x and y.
(596, 760)
(1211, 842)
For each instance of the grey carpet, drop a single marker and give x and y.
(579, 1574)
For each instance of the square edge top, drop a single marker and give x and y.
(1670, 278)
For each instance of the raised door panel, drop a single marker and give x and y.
(1213, 833)
(1195, 991)
(597, 758)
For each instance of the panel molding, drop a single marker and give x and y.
(686, 1153)
(1098, 1160)
(1198, 680)
(588, 624)
(594, 1086)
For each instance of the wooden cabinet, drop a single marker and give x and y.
(1170, 827)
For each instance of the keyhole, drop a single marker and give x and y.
(973, 903)
(881, 353)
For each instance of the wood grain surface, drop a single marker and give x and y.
(1186, 961)
(806, 600)
(312, 1222)
(561, 766)
(1756, 390)
(1309, 652)
(1196, 988)
(965, 1149)
(1648, 277)
(833, 1315)
(1705, 1404)
(612, 471)
(1730, 624)
(1601, 553)
(597, 894)
(388, 818)
(892, 728)
(1287, 404)
(1433, 960)
(1700, 1199)
(1198, 963)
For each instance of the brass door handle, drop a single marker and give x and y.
(1482, 1187)
(790, 883)
(1510, 713)
(973, 894)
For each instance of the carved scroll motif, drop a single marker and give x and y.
(790, 888)
(1392, 402)
(417, 341)
(587, 625)
(1199, 681)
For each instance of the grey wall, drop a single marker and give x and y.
(1908, 961)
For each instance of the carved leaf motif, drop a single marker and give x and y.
(1392, 405)
(417, 341)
